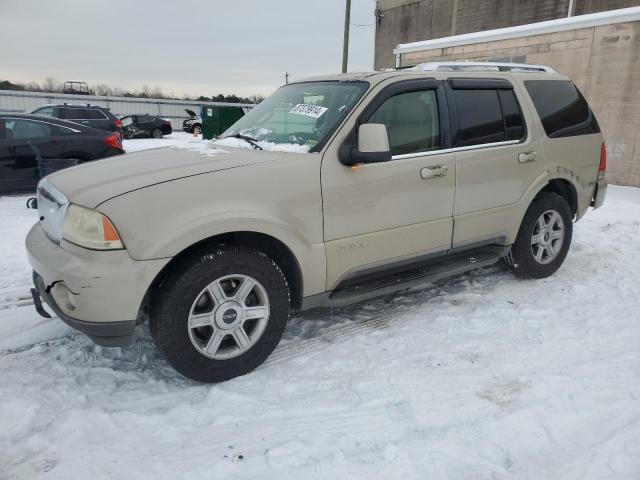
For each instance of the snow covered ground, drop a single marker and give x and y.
(481, 377)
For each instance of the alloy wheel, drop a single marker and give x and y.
(547, 237)
(228, 316)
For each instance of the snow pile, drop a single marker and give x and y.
(207, 147)
(484, 376)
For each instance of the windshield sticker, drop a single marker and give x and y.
(307, 110)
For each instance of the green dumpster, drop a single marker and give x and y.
(216, 119)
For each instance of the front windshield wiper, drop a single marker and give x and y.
(250, 140)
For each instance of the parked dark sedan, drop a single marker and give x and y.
(32, 146)
(139, 126)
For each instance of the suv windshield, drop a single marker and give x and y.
(300, 113)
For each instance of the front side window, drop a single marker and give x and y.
(412, 121)
(562, 109)
(300, 113)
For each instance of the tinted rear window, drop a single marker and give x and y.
(83, 114)
(480, 117)
(486, 115)
(513, 121)
(562, 108)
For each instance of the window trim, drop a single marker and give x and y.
(42, 121)
(482, 84)
(456, 149)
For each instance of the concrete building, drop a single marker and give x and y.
(599, 51)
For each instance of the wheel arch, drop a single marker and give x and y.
(565, 189)
(274, 248)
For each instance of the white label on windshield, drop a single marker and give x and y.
(314, 111)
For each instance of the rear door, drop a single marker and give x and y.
(497, 158)
(145, 122)
(91, 117)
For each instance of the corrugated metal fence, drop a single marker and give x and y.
(173, 110)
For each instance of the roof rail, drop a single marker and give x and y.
(482, 66)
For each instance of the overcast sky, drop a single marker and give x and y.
(184, 47)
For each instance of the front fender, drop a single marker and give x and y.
(282, 201)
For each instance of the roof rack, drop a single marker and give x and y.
(482, 67)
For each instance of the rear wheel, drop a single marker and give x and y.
(156, 133)
(220, 314)
(544, 237)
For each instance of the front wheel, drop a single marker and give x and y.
(220, 314)
(156, 133)
(544, 237)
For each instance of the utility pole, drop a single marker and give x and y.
(345, 44)
(286, 77)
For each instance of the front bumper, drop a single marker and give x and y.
(107, 334)
(96, 292)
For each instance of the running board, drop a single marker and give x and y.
(353, 291)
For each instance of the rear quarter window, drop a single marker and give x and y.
(561, 107)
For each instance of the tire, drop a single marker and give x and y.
(198, 335)
(128, 135)
(196, 129)
(544, 237)
(156, 133)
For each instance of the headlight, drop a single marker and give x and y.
(52, 206)
(90, 229)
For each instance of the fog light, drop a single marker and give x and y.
(64, 297)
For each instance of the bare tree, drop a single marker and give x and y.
(50, 84)
(33, 87)
(145, 92)
(156, 92)
(102, 89)
(256, 98)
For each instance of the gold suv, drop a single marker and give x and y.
(333, 190)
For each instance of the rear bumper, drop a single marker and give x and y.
(96, 292)
(599, 193)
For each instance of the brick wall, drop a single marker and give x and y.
(603, 61)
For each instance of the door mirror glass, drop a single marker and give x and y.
(373, 137)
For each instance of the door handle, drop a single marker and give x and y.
(527, 157)
(433, 172)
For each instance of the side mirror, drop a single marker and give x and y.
(373, 145)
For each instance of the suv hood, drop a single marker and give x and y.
(93, 183)
(190, 112)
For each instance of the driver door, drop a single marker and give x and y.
(380, 214)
